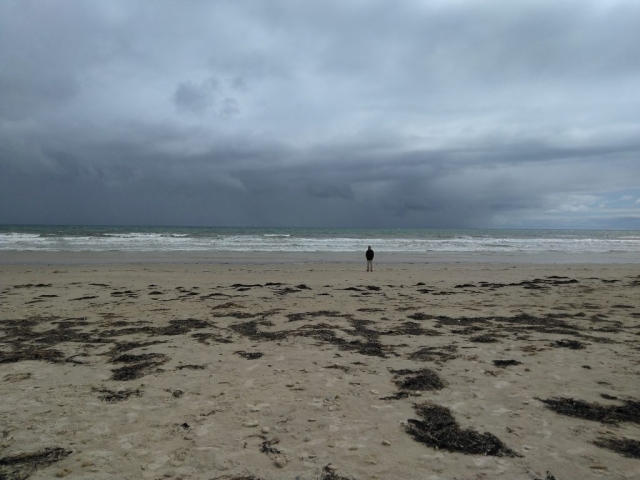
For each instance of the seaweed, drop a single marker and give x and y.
(424, 379)
(205, 337)
(624, 446)
(238, 315)
(23, 465)
(485, 338)
(293, 317)
(547, 477)
(29, 353)
(506, 363)
(249, 355)
(268, 448)
(140, 365)
(573, 344)
(250, 329)
(629, 411)
(435, 354)
(396, 396)
(411, 328)
(329, 473)
(191, 367)
(438, 429)
(119, 396)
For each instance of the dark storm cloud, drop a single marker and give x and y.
(377, 113)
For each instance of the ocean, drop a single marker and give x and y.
(317, 240)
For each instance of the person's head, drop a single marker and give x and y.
(369, 247)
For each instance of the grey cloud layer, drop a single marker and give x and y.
(379, 113)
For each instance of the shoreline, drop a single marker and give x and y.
(12, 257)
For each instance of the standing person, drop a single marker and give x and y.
(369, 256)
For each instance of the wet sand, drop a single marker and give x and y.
(319, 371)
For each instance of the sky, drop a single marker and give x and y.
(333, 113)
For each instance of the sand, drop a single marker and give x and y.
(319, 371)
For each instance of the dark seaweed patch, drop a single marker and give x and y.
(424, 379)
(23, 465)
(268, 447)
(485, 338)
(286, 291)
(139, 365)
(573, 344)
(204, 338)
(238, 315)
(120, 347)
(330, 474)
(547, 477)
(294, 317)
(396, 396)
(624, 446)
(250, 330)
(249, 355)
(29, 353)
(438, 429)
(629, 411)
(110, 396)
(191, 367)
(411, 328)
(435, 354)
(506, 363)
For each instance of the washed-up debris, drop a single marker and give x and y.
(573, 344)
(111, 396)
(435, 354)
(485, 338)
(423, 379)
(238, 315)
(438, 429)
(249, 355)
(191, 367)
(412, 328)
(397, 396)
(23, 465)
(268, 447)
(629, 411)
(624, 446)
(506, 363)
(139, 365)
(329, 472)
(30, 353)
(547, 477)
(294, 317)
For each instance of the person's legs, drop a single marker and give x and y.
(369, 265)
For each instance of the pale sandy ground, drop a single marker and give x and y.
(200, 409)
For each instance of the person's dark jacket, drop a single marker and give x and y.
(369, 254)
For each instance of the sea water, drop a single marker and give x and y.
(319, 240)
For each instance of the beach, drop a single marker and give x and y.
(273, 368)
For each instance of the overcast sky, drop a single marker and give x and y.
(346, 113)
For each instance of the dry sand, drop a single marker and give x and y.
(319, 371)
